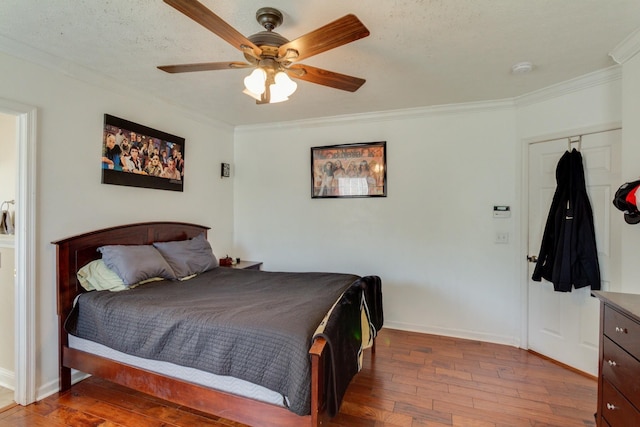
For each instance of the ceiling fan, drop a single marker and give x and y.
(273, 56)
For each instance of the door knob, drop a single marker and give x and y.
(532, 258)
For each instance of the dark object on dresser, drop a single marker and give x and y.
(619, 370)
(226, 261)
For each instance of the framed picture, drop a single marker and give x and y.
(349, 170)
(139, 156)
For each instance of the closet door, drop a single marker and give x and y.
(564, 326)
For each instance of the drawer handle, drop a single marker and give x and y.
(621, 330)
(612, 363)
(611, 406)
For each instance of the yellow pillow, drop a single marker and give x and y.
(97, 276)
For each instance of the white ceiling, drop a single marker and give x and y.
(420, 52)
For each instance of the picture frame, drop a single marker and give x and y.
(349, 170)
(135, 155)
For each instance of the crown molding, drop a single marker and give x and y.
(627, 48)
(379, 116)
(586, 81)
(596, 78)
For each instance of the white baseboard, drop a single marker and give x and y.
(455, 333)
(7, 379)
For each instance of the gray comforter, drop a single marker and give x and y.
(253, 325)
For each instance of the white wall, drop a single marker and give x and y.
(70, 197)
(631, 165)
(431, 240)
(582, 103)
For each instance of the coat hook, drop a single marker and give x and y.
(575, 139)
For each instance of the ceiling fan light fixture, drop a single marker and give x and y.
(282, 88)
(255, 82)
(285, 84)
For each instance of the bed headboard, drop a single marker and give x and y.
(74, 252)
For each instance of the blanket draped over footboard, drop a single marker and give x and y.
(252, 325)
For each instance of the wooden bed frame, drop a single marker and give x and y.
(74, 252)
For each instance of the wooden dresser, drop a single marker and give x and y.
(619, 371)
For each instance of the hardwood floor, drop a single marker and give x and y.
(414, 380)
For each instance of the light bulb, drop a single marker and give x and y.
(254, 82)
(281, 89)
(285, 84)
(276, 95)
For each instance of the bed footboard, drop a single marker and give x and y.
(230, 406)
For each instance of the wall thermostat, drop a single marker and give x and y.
(502, 212)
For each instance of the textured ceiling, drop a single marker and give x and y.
(420, 52)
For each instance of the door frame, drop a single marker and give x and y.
(524, 217)
(25, 244)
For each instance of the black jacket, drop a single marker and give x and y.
(568, 254)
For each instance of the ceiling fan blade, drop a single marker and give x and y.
(205, 17)
(206, 66)
(325, 77)
(337, 33)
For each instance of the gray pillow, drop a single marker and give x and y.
(135, 263)
(187, 257)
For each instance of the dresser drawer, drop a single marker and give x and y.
(616, 410)
(621, 370)
(622, 330)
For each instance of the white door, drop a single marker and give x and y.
(565, 326)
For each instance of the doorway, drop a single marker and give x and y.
(8, 174)
(564, 325)
(25, 265)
